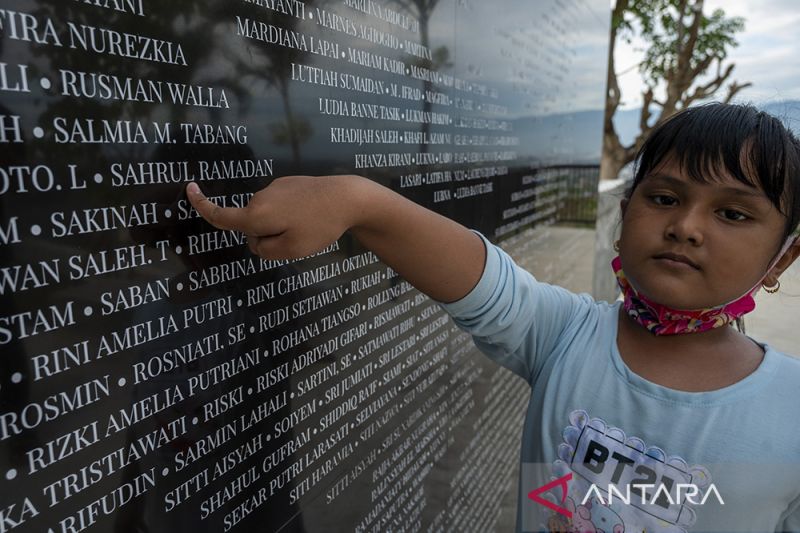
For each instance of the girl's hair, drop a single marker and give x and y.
(752, 146)
(710, 140)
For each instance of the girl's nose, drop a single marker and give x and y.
(686, 225)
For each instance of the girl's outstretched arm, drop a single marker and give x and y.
(296, 216)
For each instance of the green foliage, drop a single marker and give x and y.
(665, 26)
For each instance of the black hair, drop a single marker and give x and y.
(712, 139)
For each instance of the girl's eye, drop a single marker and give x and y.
(734, 215)
(662, 199)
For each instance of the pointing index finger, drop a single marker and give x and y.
(220, 217)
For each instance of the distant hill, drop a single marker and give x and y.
(576, 137)
(627, 121)
(563, 138)
(788, 111)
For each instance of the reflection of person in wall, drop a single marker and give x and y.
(659, 386)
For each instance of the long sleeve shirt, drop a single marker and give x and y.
(592, 422)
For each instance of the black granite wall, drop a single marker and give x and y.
(155, 375)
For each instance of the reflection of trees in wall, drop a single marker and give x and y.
(422, 10)
(194, 29)
(685, 55)
(206, 32)
(273, 65)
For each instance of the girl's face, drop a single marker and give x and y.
(727, 231)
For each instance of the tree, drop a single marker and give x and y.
(684, 64)
(194, 27)
(423, 10)
(273, 65)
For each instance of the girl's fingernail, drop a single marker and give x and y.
(193, 188)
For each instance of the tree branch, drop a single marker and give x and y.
(681, 27)
(611, 142)
(685, 45)
(704, 91)
(734, 88)
(702, 66)
(644, 127)
(644, 116)
(685, 77)
(613, 95)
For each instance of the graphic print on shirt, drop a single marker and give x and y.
(599, 455)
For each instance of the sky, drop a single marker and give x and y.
(767, 54)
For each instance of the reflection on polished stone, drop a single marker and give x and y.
(157, 376)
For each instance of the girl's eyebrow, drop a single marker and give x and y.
(755, 193)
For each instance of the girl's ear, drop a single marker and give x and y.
(623, 204)
(783, 263)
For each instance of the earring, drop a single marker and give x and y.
(773, 289)
(616, 245)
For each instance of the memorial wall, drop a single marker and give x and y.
(157, 376)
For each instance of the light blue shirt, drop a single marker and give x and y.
(592, 417)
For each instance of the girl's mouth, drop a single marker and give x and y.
(677, 261)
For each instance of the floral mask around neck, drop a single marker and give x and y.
(660, 319)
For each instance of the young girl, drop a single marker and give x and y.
(649, 414)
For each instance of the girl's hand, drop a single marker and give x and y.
(294, 216)
(297, 216)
